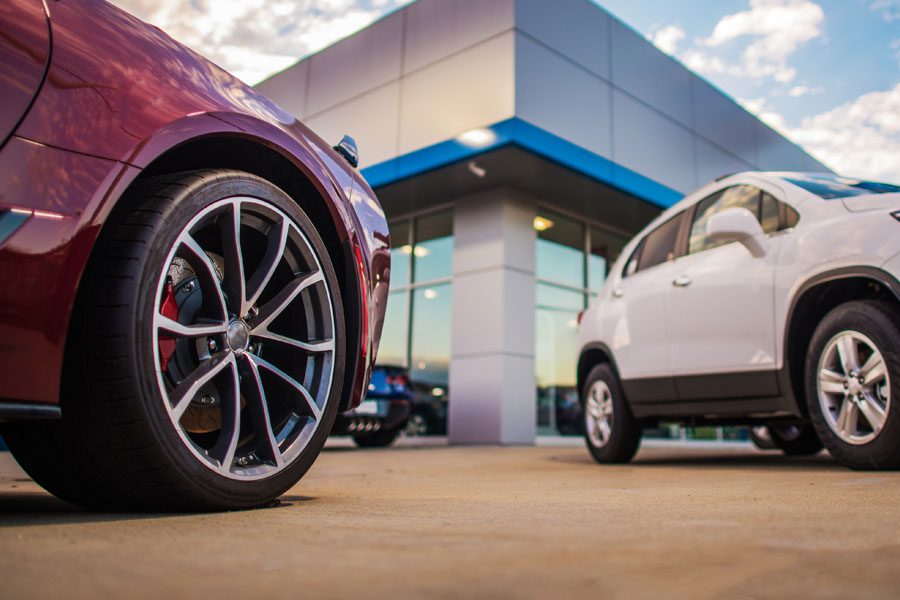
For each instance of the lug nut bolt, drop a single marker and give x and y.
(213, 345)
(189, 286)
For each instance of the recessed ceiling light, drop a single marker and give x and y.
(477, 138)
(542, 223)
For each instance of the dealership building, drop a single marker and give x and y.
(516, 146)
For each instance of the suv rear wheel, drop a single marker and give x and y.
(853, 381)
(611, 432)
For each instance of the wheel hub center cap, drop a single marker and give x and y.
(238, 336)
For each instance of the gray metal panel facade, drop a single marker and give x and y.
(438, 68)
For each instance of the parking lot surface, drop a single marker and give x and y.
(463, 522)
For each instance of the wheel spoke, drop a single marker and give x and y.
(831, 382)
(274, 251)
(270, 311)
(846, 347)
(206, 274)
(872, 411)
(259, 412)
(230, 432)
(233, 258)
(318, 346)
(873, 370)
(604, 429)
(846, 421)
(185, 391)
(317, 412)
(171, 326)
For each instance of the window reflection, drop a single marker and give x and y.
(430, 351)
(400, 253)
(433, 250)
(560, 250)
(392, 348)
(605, 249)
(556, 332)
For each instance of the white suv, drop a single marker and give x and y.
(761, 299)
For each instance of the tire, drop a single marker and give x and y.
(604, 402)
(417, 425)
(856, 416)
(133, 439)
(379, 439)
(761, 438)
(795, 440)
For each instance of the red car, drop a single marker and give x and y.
(192, 284)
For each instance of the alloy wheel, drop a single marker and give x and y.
(854, 389)
(243, 338)
(598, 414)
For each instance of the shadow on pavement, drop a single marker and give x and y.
(30, 508)
(711, 459)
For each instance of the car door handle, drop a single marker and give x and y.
(682, 281)
(618, 293)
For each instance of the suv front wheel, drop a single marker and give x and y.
(852, 376)
(611, 432)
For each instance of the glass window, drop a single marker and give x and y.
(740, 196)
(560, 250)
(433, 250)
(768, 213)
(392, 348)
(430, 349)
(789, 216)
(401, 250)
(556, 355)
(660, 245)
(552, 296)
(605, 248)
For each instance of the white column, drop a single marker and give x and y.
(492, 382)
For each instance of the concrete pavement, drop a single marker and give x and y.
(466, 522)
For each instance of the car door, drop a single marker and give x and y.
(24, 51)
(639, 311)
(721, 304)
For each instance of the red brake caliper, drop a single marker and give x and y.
(169, 309)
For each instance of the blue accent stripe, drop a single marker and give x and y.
(523, 134)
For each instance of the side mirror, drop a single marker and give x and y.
(347, 148)
(737, 225)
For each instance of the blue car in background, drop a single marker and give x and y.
(380, 418)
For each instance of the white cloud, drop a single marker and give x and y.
(667, 38)
(860, 138)
(803, 90)
(253, 38)
(888, 9)
(778, 28)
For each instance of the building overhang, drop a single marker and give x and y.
(514, 168)
(526, 159)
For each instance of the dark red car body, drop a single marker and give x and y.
(92, 98)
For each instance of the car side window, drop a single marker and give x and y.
(657, 247)
(769, 217)
(739, 196)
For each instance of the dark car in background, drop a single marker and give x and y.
(383, 415)
(428, 415)
(192, 283)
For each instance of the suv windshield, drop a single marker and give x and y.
(832, 186)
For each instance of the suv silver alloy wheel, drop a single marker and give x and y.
(854, 387)
(244, 395)
(598, 414)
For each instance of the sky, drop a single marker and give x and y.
(825, 73)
